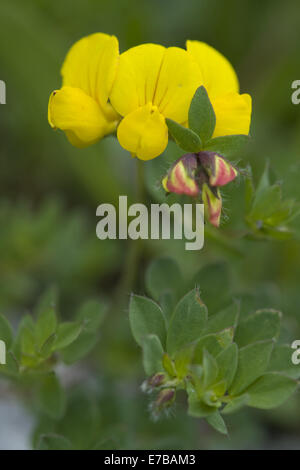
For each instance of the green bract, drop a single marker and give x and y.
(201, 126)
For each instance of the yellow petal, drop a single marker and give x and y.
(137, 77)
(144, 132)
(91, 65)
(233, 114)
(79, 115)
(179, 78)
(218, 74)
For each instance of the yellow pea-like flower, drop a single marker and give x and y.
(152, 83)
(233, 110)
(81, 107)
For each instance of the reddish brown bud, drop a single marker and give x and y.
(181, 176)
(220, 171)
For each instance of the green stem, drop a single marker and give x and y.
(134, 250)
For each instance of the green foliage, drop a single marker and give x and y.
(187, 139)
(191, 311)
(268, 215)
(54, 442)
(49, 239)
(164, 283)
(6, 333)
(33, 247)
(42, 341)
(228, 146)
(146, 318)
(51, 396)
(202, 118)
(222, 362)
(80, 427)
(201, 126)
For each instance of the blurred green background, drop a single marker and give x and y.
(49, 192)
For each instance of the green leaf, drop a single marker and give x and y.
(196, 407)
(163, 275)
(51, 396)
(67, 332)
(6, 333)
(187, 323)
(152, 354)
(227, 361)
(270, 390)
(46, 350)
(253, 361)
(228, 145)
(80, 348)
(225, 319)
(146, 318)
(260, 326)
(210, 368)
(167, 301)
(168, 365)
(202, 118)
(45, 326)
(281, 361)
(47, 301)
(267, 203)
(53, 442)
(28, 347)
(214, 283)
(236, 404)
(91, 314)
(264, 183)
(217, 422)
(185, 138)
(26, 322)
(214, 343)
(183, 359)
(11, 368)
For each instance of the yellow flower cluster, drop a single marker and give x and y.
(134, 92)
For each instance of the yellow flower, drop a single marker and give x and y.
(152, 83)
(233, 110)
(81, 107)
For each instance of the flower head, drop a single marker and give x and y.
(152, 83)
(201, 174)
(232, 110)
(81, 107)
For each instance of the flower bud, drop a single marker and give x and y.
(165, 397)
(212, 204)
(163, 401)
(181, 176)
(220, 171)
(155, 381)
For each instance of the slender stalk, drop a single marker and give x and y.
(134, 249)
